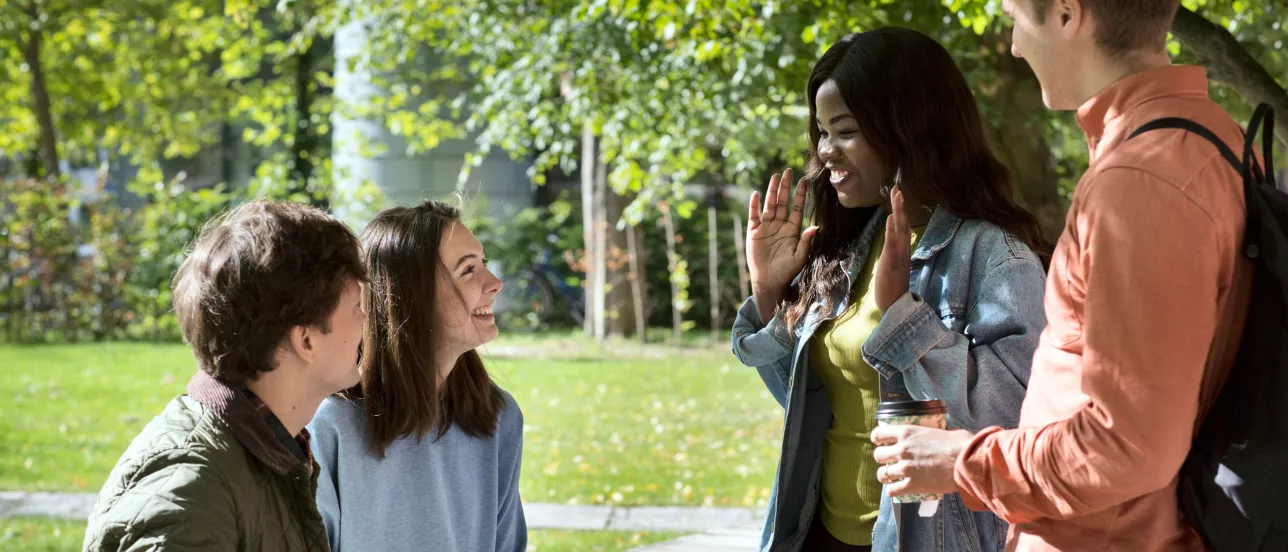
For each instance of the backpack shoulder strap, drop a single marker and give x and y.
(1191, 126)
(1263, 120)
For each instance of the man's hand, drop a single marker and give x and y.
(918, 460)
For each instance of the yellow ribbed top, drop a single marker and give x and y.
(851, 492)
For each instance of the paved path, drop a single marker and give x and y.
(743, 538)
(55, 505)
(723, 529)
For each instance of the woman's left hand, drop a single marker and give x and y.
(891, 275)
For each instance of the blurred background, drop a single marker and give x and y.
(603, 150)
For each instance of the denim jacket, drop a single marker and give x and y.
(965, 333)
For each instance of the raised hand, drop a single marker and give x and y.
(890, 280)
(776, 247)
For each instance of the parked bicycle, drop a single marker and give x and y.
(533, 298)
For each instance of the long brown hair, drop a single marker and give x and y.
(400, 391)
(916, 111)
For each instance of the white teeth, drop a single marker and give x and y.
(839, 175)
(483, 311)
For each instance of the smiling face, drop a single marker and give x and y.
(429, 297)
(853, 167)
(1042, 40)
(466, 291)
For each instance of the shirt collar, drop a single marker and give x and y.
(1099, 115)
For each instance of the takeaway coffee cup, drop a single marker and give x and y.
(932, 414)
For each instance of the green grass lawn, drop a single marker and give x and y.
(604, 423)
(43, 535)
(40, 535)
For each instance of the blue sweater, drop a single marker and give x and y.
(457, 494)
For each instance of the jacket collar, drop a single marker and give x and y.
(236, 410)
(940, 232)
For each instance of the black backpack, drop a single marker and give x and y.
(1234, 483)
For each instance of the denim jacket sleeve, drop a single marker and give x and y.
(766, 348)
(981, 373)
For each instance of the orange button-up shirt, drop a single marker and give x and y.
(1145, 302)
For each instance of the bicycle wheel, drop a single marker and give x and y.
(525, 302)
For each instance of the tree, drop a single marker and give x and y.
(30, 40)
(666, 95)
(151, 79)
(125, 80)
(674, 96)
(1230, 39)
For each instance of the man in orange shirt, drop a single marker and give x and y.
(1145, 301)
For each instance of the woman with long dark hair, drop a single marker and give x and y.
(424, 453)
(919, 278)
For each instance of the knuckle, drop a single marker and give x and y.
(899, 451)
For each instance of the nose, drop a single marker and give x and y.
(494, 285)
(826, 150)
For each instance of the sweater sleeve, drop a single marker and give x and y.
(511, 527)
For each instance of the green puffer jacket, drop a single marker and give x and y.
(207, 474)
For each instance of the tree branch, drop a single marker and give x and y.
(1229, 62)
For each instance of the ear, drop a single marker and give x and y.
(1070, 15)
(301, 342)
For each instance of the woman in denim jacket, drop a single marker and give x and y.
(920, 278)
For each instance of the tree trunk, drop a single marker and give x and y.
(8, 291)
(1018, 136)
(588, 158)
(672, 265)
(305, 144)
(637, 282)
(40, 98)
(1229, 62)
(744, 280)
(599, 255)
(713, 261)
(619, 303)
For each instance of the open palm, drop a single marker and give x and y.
(776, 247)
(890, 280)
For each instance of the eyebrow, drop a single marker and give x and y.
(467, 257)
(838, 119)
